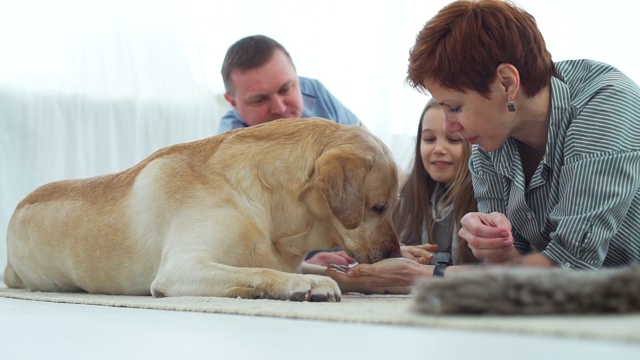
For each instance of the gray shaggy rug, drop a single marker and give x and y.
(531, 291)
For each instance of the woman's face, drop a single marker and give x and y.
(441, 152)
(477, 119)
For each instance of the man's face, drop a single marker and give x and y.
(266, 93)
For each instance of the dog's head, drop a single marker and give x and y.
(358, 180)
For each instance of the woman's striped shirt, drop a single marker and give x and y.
(581, 208)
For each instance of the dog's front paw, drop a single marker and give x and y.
(313, 288)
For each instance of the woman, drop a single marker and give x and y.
(556, 161)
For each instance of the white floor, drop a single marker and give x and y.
(39, 330)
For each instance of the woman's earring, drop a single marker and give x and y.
(511, 106)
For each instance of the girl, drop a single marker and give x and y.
(437, 192)
(436, 195)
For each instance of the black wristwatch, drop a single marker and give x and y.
(438, 270)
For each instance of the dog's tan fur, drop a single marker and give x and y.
(232, 215)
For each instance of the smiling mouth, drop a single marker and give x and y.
(441, 163)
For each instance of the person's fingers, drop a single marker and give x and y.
(347, 257)
(338, 261)
(407, 252)
(332, 258)
(411, 256)
(496, 255)
(499, 220)
(413, 253)
(359, 270)
(422, 253)
(494, 225)
(342, 254)
(484, 243)
(428, 247)
(487, 231)
(413, 250)
(338, 268)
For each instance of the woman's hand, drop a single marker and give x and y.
(489, 236)
(326, 258)
(419, 253)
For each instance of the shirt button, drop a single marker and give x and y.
(529, 216)
(566, 266)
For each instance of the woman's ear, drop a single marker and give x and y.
(509, 78)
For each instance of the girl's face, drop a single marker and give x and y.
(441, 152)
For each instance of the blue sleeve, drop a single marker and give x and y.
(318, 101)
(230, 121)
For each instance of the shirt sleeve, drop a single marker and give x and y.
(598, 194)
(230, 121)
(320, 102)
(487, 184)
(489, 189)
(599, 180)
(342, 115)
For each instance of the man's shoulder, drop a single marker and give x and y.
(319, 102)
(311, 87)
(230, 121)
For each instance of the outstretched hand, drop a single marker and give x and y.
(388, 273)
(326, 258)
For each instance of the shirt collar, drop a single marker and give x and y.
(505, 158)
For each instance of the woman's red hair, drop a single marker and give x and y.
(461, 47)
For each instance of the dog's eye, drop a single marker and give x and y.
(379, 209)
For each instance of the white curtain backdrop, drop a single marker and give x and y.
(89, 87)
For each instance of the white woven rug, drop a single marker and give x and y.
(374, 309)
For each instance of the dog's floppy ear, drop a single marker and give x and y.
(340, 178)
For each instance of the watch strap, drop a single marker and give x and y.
(438, 270)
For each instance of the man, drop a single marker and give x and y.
(262, 84)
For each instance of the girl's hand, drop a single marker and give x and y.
(419, 253)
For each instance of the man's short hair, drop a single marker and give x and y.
(248, 53)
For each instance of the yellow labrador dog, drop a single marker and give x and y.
(232, 215)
